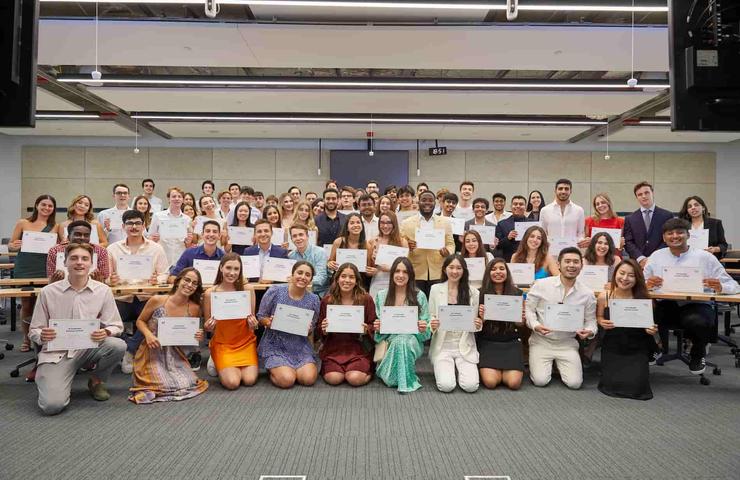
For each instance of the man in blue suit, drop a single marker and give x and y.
(264, 247)
(643, 228)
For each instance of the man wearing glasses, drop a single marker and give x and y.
(110, 218)
(122, 254)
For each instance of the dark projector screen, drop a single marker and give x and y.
(356, 167)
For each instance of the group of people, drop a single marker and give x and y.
(314, 234)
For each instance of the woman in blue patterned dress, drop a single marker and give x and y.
(286, 356)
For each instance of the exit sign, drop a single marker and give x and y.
(437, 151)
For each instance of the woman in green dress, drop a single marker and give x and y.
(397, 353)
(32, 265)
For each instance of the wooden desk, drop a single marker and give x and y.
(731, 261)
(7, 266)
(24, 282)
(733, 271)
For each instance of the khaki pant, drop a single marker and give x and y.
(543, 351)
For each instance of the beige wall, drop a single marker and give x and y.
(66, 171)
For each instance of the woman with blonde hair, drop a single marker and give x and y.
(142, 204)
(603, 216)
(81, 208)
(303, 214)
(286, 204)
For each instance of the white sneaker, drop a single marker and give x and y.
(211, 367)
(127, 364)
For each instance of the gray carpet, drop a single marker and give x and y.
(687, 431)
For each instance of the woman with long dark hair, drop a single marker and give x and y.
(534, 248)
(242, 219)
(696, 212)
(534, 205)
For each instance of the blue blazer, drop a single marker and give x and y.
(637, 241)
(275, 252)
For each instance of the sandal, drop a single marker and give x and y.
(26, 345)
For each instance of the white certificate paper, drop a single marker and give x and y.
(251, 266)
(208, 270)
(133, 268)
(277, 269)
(241, 235)
(177, 331)
(430, 238)
(387, 254)
(699, 238)
(631, 313)
(345, 318)
(230, 305)
(682, 279)
(458, 318)
(615, 233)
(73, 334)
(399, 320)
(521, 273)
(173, 228)
(291, 319)
(116, 219)
(278, 236)
(487, 234)
(562, 317)
(327, 248)
(559, 243)
(503, 308)
(355, 256)
(457, 224)
(476, 268)
(594, 276)
(521, 228)
(37, 242)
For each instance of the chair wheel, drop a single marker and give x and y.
(9, 346)
(737, 363)
(733, 350)
(704, 381)
(15, 373)
(717, 371)
(2, 355)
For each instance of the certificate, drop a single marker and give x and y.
(345, 318)
(230, 305)
(251, 266)
(521, 273)
(699, 238)
(94, 237)
(277, 269)
(503, 308)
(458, 318)
(487, 234)
(430, 238)
(387, 254)
(631, 313)
(72, 334)
(399, 320)
(615, 233)
(521, 228)
(173, 228)
(594, 276)
(327, 248)
(37, 242)
(4, 249)
(683, 279)
(208, 270)
(559, 243)
(133, 268)
(562, 317)
(61, 266)
(241, 235)
(177, 331)
(291, 319)
(476, 268)
(355, 256)
(278, 236)
(116, 219)
(458, 225)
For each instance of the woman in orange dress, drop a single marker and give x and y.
(234, 344)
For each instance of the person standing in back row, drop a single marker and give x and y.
(643, 228)
(330, 222)
(562, 218)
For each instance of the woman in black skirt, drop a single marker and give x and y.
(499, 343)
(625, 352)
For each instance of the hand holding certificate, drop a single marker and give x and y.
(430, 238)
(487, 234)
(73, 334)
(458, 225)
(251, 266)
(476, 267)
(521, 273)
(173, 228)
(559, 243)
(699, 238)
(230, 305)
(631, 313)
(134, 268)
(345, 318)
(241, 235)
(278, 236)
(594, 276)
(37, 242)
(291, 319)
(399, 320)
(561, 317)
(178, 331)
(277, 269)
(208, 270)
(503, 308)
(521, 228)
(387, 254)
(355, 256)
(458, 318)
(682, 280)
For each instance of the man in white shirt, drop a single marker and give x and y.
(173, 247)
(369, 220)
(547, 345)
(77, 297)
(498, 213)
(695, 318)
(464, 208)
(110, 218)
(234, 190)
(562, 218)
(147, 185)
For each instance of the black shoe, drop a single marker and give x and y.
(195, 361)
(697, 365)
(653, 358)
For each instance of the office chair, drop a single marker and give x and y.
(684, 357)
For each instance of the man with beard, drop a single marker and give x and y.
(562, 218)
(330, 222)
(505, 231)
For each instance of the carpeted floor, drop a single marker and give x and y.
(688, 431)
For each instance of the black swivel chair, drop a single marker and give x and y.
(684, 357)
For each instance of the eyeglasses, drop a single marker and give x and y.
(121, 193)
(134, 224)
(188, 281)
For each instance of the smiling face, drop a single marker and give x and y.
(211, 234)
(454, 270)
(188, 284)
(536, 200)
(562, 192)
(499, 204)
(82, 206)
(471, 244)
(263, 234)
(695, 209)
(299, 237)
(304, 212)
(148, 188)
(207, 205)
(676, 238)
(302, 276)
(518, 207)
(449, 207)
(189, 211)
(184, 200)
(466, 192)
(601, 205)
(142, 205)
(176, 199)
(354, 225)
(208, 189)
(426, 204)
(311, 197)
(498, 273)
(231, 271)
(405, 200)
(234, 191)
(273, 216)
(367, 207)
(288, 203)
(121, 195)
(385, 225)
(78, 262)
(534, 240)
(330, 201)
(134, 228)
(570, 265)
(225, 201)
(346, 199)
(242, 213)
(347, 280)
(385, 205)
(79, 234)
(401, 276)
(318, 209)
(479, 210)
(602, 246)
(295, 194)
(624, 277)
